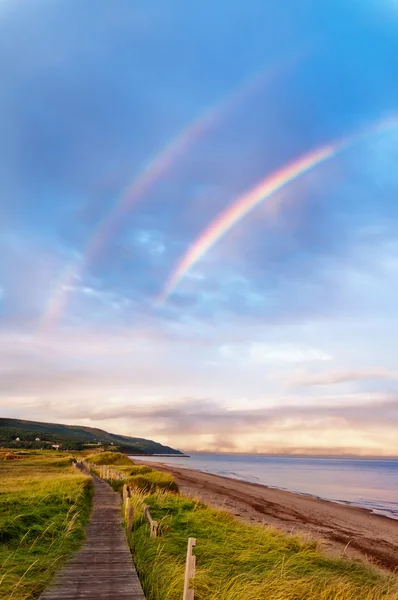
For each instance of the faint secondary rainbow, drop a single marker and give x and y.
(255, 196)
(155, 169)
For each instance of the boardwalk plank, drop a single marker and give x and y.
(103, 569)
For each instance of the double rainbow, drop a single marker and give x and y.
(155, 169)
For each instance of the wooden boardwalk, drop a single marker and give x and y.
(103, 569)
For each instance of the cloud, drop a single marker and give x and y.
(147, 381)
(264, 353)
(201, 423)
(336, 377)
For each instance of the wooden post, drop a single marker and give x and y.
(130, 516)
(125, 494)
(153, 524)
(190, 569)
(126, 508)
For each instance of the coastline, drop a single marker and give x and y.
(341, 529)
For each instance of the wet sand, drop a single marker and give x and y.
(340, 529)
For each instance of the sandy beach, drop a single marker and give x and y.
(341, 529)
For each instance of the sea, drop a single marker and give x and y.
(367, 483)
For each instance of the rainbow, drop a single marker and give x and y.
(142, 183)
(255, 196)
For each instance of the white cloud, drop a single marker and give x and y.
(264, 353)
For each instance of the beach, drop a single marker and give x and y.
(341, 529)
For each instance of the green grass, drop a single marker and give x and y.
(44, 505)
(154, 480)
(140, 470)
(238, 561)
(136, 476)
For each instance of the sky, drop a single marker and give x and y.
(199, 221)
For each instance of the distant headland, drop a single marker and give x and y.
(19, 433)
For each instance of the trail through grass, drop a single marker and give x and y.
(44, 506)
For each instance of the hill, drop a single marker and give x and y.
(73, 437)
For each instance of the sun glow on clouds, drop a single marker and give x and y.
(124, 395)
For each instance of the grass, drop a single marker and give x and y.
(139, 477)
(238, 561)
(235, 560)
(44, 505)
(109, 458)
(154, 480)
(140, 470)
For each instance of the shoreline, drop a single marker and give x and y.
(381, 513)
(341, 528)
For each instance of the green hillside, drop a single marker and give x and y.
(73, 437)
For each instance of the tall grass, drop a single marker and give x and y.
(154, 480)
(109, 458)
(238, 561)
(44, 505)
(140, 470)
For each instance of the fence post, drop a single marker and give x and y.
(125, 493)
(130, 516)
(126, 508)
(153, 524)
(190, 569)
(154, 529)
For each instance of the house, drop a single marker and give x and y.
(55, 446)
(17, 439)
(37, 440)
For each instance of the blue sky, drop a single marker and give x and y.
(283, 337)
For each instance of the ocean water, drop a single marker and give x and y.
(368, 483)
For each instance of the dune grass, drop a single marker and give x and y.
(139, 477)
(44, 505)
(154, 480)
(238, 561)
(109, 458)
(140, 470)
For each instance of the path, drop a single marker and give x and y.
(103, 569)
